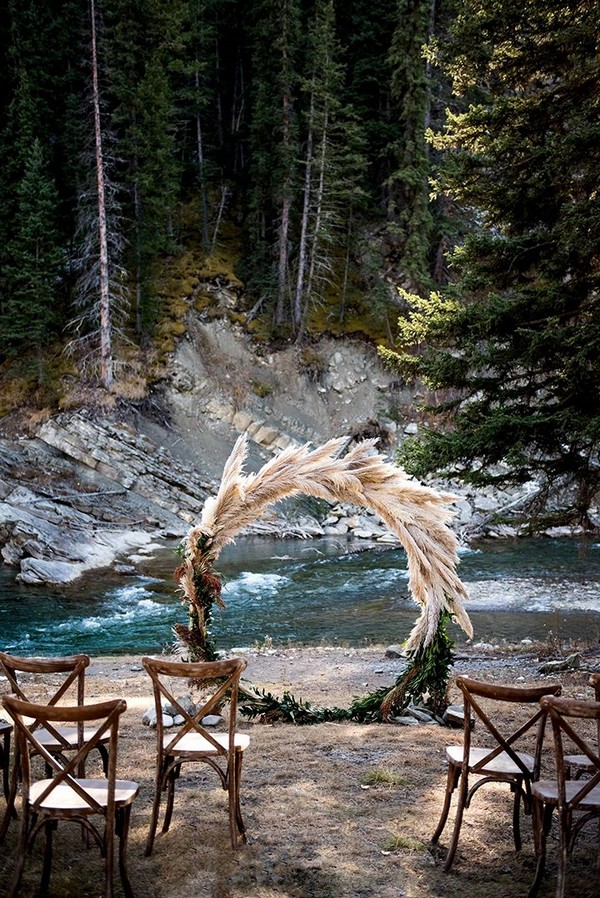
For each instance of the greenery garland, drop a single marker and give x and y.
(426, 676)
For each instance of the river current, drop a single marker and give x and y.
(314, 592)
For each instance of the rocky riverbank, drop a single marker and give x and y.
(88, 487)
(88, 492)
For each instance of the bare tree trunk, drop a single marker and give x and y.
(318, 214)
(302, 249)
(315, 241)
(106, 365)
(224, 198)
(284, 224)
(138, 254)
(344, 290)
(202, 178)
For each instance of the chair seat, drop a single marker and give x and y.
(194, 743)
(69, 734)
(579, 762)
(64, 798)
(501, 764)
(547, 791)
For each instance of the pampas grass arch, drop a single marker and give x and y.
(418, 515)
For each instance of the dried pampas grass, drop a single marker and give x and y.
(418, 515)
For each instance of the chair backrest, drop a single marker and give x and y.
(70, 689)
(570, 723)
(104, 715)
(224, 676)
(505, 739)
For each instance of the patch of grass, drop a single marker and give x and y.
(402, 843)
(389, 777)
(261, 389)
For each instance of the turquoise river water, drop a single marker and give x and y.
(309, 592)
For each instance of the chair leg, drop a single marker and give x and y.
(236, 824)
(173, 775)
(5, 759)
(103, 757)
(49, 827)
(10, 811)
(563, 852)
(453, 775)
(238, 810)
(516, 788)
(109, 856)
(15, 883)
(155, 812)
(462, 801)
(542, 821)
(123, 819)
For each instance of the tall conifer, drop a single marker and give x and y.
(514, 343)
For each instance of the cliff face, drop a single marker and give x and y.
(219, 387)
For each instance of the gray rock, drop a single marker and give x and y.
(149, 717)
(418, 714)
(394, 651)
(39, 570)
(454, 716)
(211, 720)
(572, 662)
(185, 701)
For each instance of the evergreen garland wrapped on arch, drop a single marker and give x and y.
(418, 515)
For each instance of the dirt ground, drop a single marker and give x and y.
(318, 826)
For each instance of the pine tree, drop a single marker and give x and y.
(39, 156)
(514, 342)
(409, 214)
(144, 44)
(33, 264)
(333, 165)
(276, 40)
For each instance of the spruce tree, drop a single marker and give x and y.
(409, 214)
(33, 264)
(514, 342)
(144, 43)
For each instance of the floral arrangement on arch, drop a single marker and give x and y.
(417, 514)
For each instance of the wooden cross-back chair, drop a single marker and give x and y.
(502, 759)
(576, 765)
(55, 737)
(65, 795)
(576, 801)
(192, 741)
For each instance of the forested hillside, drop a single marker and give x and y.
(316, 155)
(283, 139)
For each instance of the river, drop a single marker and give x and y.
(310, 592)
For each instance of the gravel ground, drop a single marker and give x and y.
(318, 826)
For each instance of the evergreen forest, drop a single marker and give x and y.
(424, 173)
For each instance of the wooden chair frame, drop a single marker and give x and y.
(569, 797)
(57, 739)
(502, 762)
(5, 735)
(65, 795)
(194, 742)
(576, 765)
